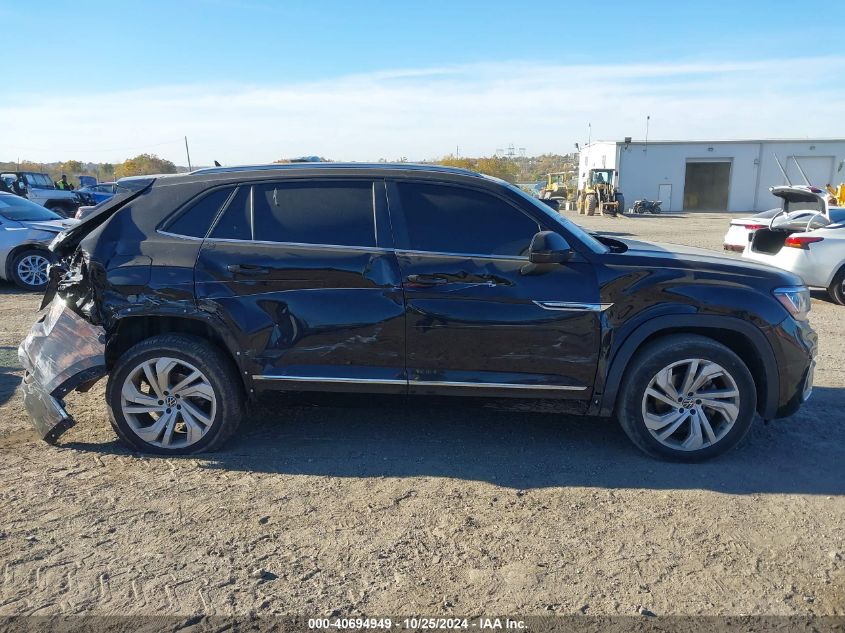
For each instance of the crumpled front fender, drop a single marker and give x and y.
(62, 352)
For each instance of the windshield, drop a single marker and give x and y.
(592, 243)
(41, 181)
(22, 210)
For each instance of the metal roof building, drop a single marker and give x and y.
(714, 175)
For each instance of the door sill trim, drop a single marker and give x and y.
(420, 383)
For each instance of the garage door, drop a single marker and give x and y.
(819, 169)
(706, 186)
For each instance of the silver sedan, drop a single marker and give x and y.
(26, 230)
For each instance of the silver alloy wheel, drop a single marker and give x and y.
(32, 270)
(168, 402)
(691, 404)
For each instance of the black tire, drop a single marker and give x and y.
(659, 355)
(837, 287)
(217, 368)
(16, 272)
(620, 203)
(590, 204)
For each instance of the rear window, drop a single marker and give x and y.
(235, 223)
(319, 212)
(196, 220)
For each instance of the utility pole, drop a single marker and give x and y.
(589, 133)
(188, 152)
(647, 119)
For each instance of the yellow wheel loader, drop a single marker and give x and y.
(556, 186)
(600, 193)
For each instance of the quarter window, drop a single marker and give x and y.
(321, 212)
(454, 220)
(197, 219)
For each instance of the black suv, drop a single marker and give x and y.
(195, 292)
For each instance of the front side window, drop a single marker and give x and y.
(445, 219)
(319, 212)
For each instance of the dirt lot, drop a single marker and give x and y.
(428, 509)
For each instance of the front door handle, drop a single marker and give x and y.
(427, 280)
(247, 269)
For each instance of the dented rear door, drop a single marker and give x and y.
(305, 273)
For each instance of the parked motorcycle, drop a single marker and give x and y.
(646, 206)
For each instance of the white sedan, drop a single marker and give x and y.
(801, 201)
(812, 248)
(26, 230)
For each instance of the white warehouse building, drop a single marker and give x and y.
(713, 175)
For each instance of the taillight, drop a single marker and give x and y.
(801, 242)
(755, 227)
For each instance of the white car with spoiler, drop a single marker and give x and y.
(806, 237)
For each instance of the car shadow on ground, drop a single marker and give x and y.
(10, 373)
(522, 446)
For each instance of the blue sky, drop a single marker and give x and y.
(253, 81)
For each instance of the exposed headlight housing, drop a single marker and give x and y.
(796, 300)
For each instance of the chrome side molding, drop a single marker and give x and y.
(420, 383)
(573, 306)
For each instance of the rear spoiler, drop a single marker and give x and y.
(67, 241)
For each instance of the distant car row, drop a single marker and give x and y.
(40, 189)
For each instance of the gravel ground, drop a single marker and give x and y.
(359, 507)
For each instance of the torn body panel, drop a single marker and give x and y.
(62, 352)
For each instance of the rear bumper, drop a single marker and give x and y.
(62, 352)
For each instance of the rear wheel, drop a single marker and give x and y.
(590, 204)
(837, 287)
(686, 398)
(30, 269)
(174, 394)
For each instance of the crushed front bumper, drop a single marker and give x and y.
(62, 352)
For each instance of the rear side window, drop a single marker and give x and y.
(316, 212)
(236, 222)
(197, 219)
(446, 219)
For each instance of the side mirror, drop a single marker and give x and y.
(548, 247)
(554, 203)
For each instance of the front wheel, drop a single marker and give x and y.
(686, 398)
(30, 269)
(174, 394)
(620, 203)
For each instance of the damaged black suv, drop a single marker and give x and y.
(195, 292)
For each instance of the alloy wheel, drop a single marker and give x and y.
(691, 404)
(168, 402)
(32, 270)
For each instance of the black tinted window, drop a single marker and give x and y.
(197, 219)
(453, 220)
(322, 212)
(235, 222)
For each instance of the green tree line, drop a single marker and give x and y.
(141, 165)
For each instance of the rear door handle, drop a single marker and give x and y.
(427, 280)
(247, 269)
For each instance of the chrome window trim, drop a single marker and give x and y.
(573, 306)
(368, 249)
(427, 383)
(404, 251)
